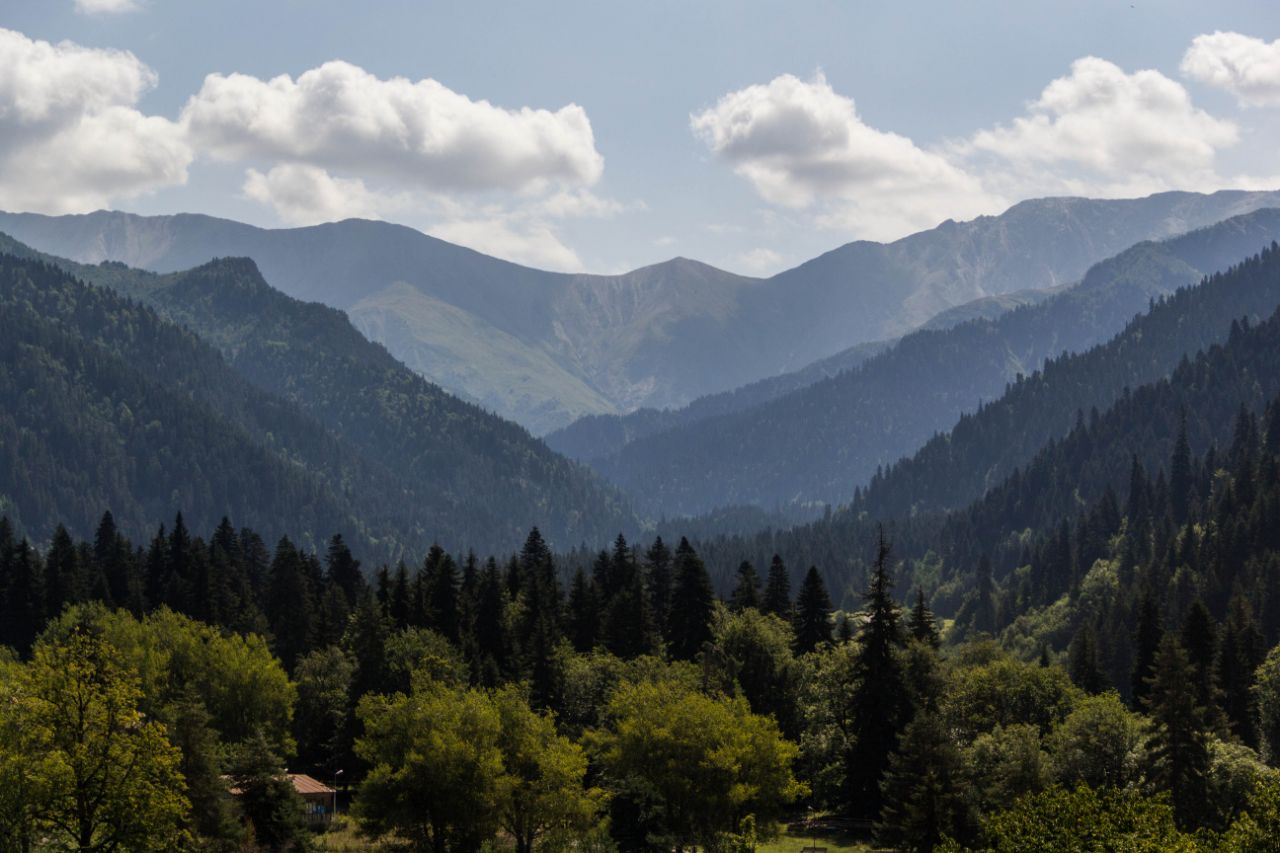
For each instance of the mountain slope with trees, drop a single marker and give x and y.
(543, 348)
(820, 443)
(398, 454)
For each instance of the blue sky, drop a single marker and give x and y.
(604, 136)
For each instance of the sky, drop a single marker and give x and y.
(602, 136)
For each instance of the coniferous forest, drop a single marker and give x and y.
(743, 427)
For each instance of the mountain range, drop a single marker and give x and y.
(544, 348)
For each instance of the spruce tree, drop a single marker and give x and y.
(746, 592)
(984, 606)
(658, 568)
(64, 578)
(813, 614)
(492, 643)
(629, 629)
(1179, 744)
(921, 623)
(22, 598)
(1180, 476)
(1199, 638)
(1146, 642)
(777, 591)
(290, 606)
(343, 569)
(584, 615)
(1082, 662)
(1242, 652)
(925, 790)
(539, 628)
(881, 704)
(692, 604)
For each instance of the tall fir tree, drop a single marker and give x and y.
(692, 604)
(658, 570)
(1146, 642)
(881, 704)
(1179, 743)
(777, 590)
(746, 590)
(813, 613)
(922, 625)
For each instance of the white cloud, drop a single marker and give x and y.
(306, 195)
(339, 116)
(71, 138)
(760, 261)
(533, 243)
(106, 7)
(1097, 131)
(1247, 67)
(801, 144)
(1100, 131)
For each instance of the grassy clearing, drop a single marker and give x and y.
(834, 839)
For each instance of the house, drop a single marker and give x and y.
(320, 802)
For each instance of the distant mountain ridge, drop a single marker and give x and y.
(544, 348)
(819, 443)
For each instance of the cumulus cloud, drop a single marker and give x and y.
(760, 260)
(306, 195)
(1247, 67)
(515, 238)
(71, 137)
(1104, 132)
(106, 7)
(340, 117)
(799, 143)
(1097, 131)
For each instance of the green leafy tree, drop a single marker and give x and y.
(1099, 744)
(1083, 820)
(436, 779)
(702, 765)
(323, 679)
(542, 790)
(102, 777)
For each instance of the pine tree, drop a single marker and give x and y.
(746, 593)
(777, 591)
(290, 606)
(658, 565)
(692, 604)
(1180, 476)
(400, 604)
(921, 623)
(813, 614)
(1199, 638)
(1241, 653)
(64, 579)
(1082, 662)
(984, 607)
(1179, 746)
(584, 613)
(881, 704)
(628, 629)
(22, 598)
(492, 647)
(442, 597)
(539, 628)
(343, 569)
(1146, 642)
(924, 790)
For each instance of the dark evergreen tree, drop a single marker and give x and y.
(925, 790)
(1082, 661)
(1199, 638)
(658, 568)
(691, 606)
(1146, 642)
(584, 613)
(343, 570)
(22, 598)
(1242, 652)
(777, 591)
(1180, 476)
(539, 628)
(813, 613)
(628, 627)
(984, 606)
(267, 797)
(492, 644)
(1179, 745)
(290, 606)
(746, 591)
(922, 626)
(881, 705)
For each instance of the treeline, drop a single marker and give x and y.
(475, 700)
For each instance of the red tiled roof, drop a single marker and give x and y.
(305, 784)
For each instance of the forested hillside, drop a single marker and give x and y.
(391, 458)
(819, 443)
(545, 348)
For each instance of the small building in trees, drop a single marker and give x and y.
(319, 800)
